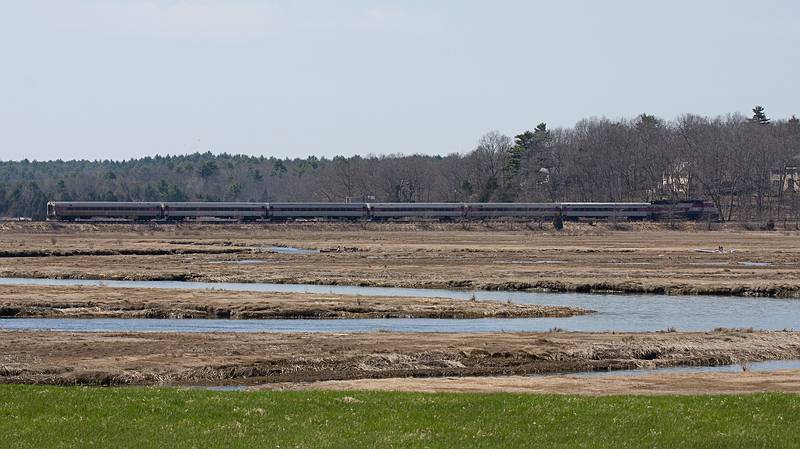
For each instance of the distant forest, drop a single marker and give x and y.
(748, 166)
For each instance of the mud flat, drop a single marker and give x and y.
(102, 358)
(25, 301)
(630, 257)
(694, 384)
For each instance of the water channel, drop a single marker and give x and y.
(616, 312)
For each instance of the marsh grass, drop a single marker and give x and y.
(65, 417)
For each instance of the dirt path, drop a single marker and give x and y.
(105, 358)
(105, 302)
(647, 258)
(700, 383)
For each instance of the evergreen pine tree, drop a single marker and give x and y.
(759, 116)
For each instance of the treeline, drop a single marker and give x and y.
(747, 166)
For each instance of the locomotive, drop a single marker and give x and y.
(180, 211)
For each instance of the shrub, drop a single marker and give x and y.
(558, 222)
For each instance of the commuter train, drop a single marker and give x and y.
(172, 211)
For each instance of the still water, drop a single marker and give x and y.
(616, 312)
(756, 367)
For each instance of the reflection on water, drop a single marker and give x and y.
(289, 250)
(754, 264)
(624, 313)
(757, 367)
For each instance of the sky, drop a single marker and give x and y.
(116, 79)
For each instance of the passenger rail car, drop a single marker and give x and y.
(287, 211)
(178, 211)
(87, 210)
(387, 211)
(691, 209)
(239, 211)
(514, 210)
(574, 211)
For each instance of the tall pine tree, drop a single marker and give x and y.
(759, 116)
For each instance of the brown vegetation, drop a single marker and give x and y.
(647, 257)
(103, 302)
(103, 358)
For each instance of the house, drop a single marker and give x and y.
(675, 181)
(787, 178)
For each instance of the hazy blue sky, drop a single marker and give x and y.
(121, 79)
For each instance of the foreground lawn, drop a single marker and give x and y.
(44, 417)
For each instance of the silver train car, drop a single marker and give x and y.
(502, 210)
(239, 211)
(288, 211)
(174, 211)
(387, 211)
(87, 210)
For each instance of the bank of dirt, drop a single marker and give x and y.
(104, 358)
(743, 382)
(27, 301)
(628, 257)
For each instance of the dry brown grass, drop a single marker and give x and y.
(225, 358)
(649, 258)
(105, 302)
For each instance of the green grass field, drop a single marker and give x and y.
(50, 417)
